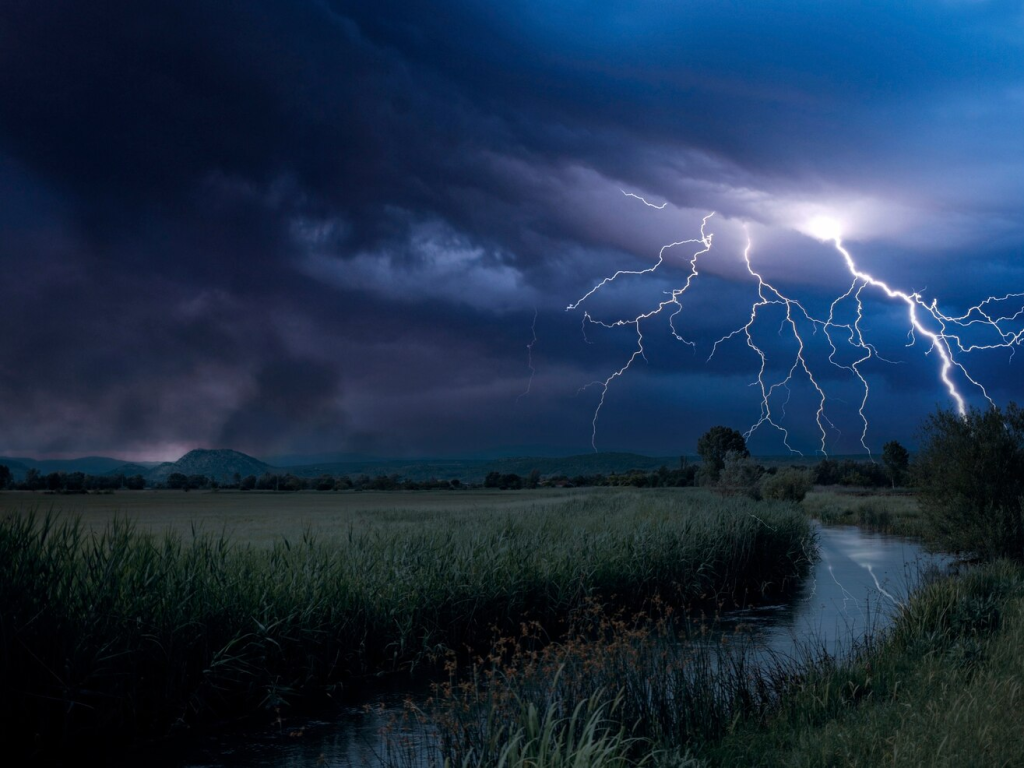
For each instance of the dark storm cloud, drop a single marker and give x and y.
(294, 405)
(280, 224)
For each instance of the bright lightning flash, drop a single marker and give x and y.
(925, 320)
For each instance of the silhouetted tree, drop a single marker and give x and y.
(135, 483)
(198, 481)
(5, 476)
(827, 472)
(896, 459)
(511, 481)
(715, 444)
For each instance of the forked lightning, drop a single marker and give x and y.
(944, 333)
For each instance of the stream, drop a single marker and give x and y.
(852, 589)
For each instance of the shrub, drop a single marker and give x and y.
(970, 475)
(787, 485)
(740, 476)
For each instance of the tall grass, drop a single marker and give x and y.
(898, 515)
(663, 687)
(120, 634)
(942, 686)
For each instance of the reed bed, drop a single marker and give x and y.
(654, 690)
(120, 634)
(898, 515)
(942, 686)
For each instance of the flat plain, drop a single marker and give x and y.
(261, 517)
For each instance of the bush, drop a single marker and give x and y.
(740, 476)
(970, 476)
(786, 485)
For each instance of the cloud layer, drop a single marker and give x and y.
(306, 225)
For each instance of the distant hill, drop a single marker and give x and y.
(220, 464)
(17, 467)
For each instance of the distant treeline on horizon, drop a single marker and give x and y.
(827, 471)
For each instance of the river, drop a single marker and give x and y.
(859, 579)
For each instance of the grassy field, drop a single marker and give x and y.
(263, 517)
(111, 630)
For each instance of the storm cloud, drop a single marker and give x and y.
(304, 225)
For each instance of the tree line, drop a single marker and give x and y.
(715, 448)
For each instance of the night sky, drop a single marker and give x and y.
(312, 226)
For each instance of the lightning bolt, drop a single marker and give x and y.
(674, 299)
(944, 334)
(770, 295)
(649, 205)
(529, 357)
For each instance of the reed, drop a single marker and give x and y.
(883, 512)
(119, 634)
(943, 685)
(664, 686)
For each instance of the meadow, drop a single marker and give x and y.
(262, 517)
(126, 616)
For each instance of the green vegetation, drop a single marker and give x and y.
(120, 633)
(970, 477)
(787, 485)
(896, 514)
(897, 461)
(944, 686)
(715, 445)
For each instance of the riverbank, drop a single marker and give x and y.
(111, 636)
(895, 512)
(943, 686)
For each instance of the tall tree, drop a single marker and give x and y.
(896, 459)
(970, 477)
(715, 444)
